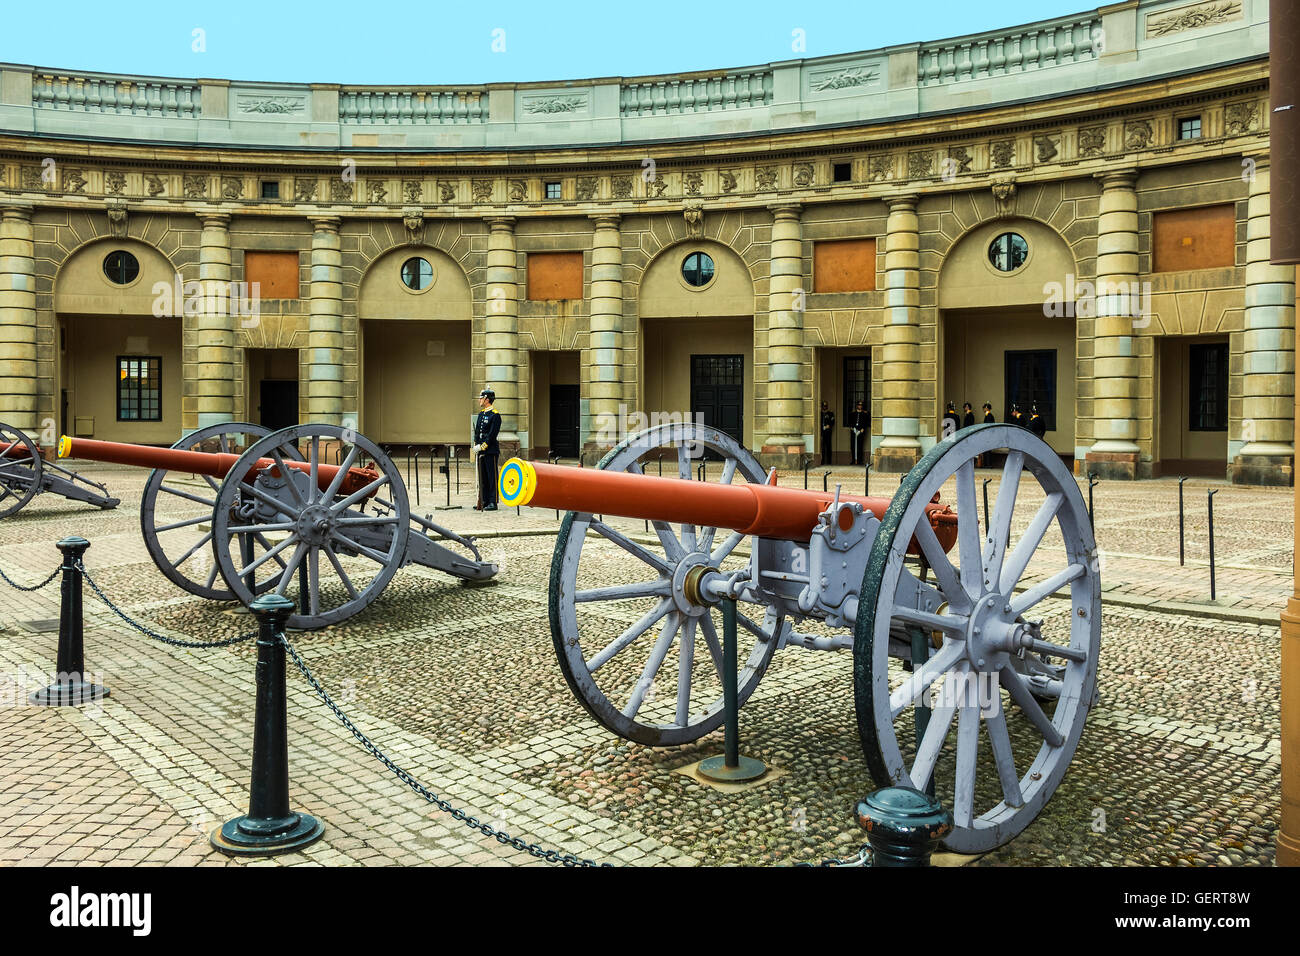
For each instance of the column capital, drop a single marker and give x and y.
(1125, 178)
(502, 224)
(16, 211)
(606, 220)
(325, 223)
(905, 202)
(214, 220)
(786, 210)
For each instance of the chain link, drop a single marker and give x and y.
(862, 859)
(550, 856)
(149, 632)
(16, 586)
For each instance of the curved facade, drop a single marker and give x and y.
(1071, 213)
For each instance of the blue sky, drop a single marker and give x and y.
(414, 42)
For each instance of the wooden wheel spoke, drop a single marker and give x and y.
(313, 581)
(631, 547)
(288, 477)
(357, 495)
(343, 575)
(958, 598)
(1019, 559)
(256, 528)
(1022, 602)
(1000, 522)
(968, 530)
(193, 549)
(647, 621)
(208, 503)
(657, 655)
(1020, 693)
(711, 641)
(243, 572)
(927, 752)
(274, 502)
(684, 472)
(1000, 743)
(313, 486)
(954, 624)
(725, 549)
(299, 553)
(906, 693)
(265, 542)
(686, 660)
(334, 485)
(968, 729)
(621, 592)
(371, 553)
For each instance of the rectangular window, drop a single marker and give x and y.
(1204, 237)
(276, 274)
(718, 369)
(270, 190)
(1030, 381)
(1189, 127)
(1207, 391)
(139, 388)
(553, 191)
(842, 172)
(554, 275)
(844, 265)
(856, 386)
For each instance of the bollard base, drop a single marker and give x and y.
(246, 836)
(68, 694)
(715, 768)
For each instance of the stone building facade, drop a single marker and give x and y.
(1073, 213)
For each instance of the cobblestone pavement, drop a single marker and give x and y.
(1179, 763)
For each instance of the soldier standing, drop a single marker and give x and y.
(1037, 424)
(859, 422)
(989, 418)
(828, 433)
(968, 419)
(486, 428)
(950, 421)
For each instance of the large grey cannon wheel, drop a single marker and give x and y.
(176, 514)
(341, 544)
(987, 640)
(20, 470)
(615, 624)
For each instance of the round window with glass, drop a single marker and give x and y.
(1008, 252)
(697, 269)
(417, 274)
(121, 267)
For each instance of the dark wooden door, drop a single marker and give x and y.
(279, 404)
(565, 414)
(718, 393)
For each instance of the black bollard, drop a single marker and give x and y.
(807, 460)
(69, 688)
(826, 477)
(1092, 480)
(1182, 541)
(986, 504)
(904, 826)
(270, 826)
(731, 767)
(866, 484)
(417, 478)
(1210, 502)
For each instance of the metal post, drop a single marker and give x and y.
(457, 456)
(731, 767)
(986, 504)
(417, 479)
(304, 588)
(807, 460)
(866, 484)
(70, 688)
(1182, 542)
(1210, 503)
(446, 458)
(1092, 480)
(270, 826)
(826, 477)
(246, 555)
(904, 826)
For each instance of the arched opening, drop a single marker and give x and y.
(696, 305)
(119, 343)
(415, 307)
(1007, 311)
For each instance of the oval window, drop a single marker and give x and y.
(417, 273)
(697, 269)
(1008, 252)
(121, 267)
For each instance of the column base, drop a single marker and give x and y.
(1114, 465)
(592, 453)
(1271, 470)
(783, 457)
(894, 461)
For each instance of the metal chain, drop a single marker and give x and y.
(149, 632)
(14, 584)
(862, 859)
(550, 856)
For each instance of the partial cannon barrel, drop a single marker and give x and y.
(213, 464)
(764, 511)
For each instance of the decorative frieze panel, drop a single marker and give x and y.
(1168, 22)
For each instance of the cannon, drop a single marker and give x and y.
(943, 618)
(231, 512)
(24, 474)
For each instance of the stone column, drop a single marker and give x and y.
(325, 331)
(785, 349)
(215, 326)
(1115, 453)
(501, 327)
(1267, 456)
(900, 365)
(605, 363)
(18, 378)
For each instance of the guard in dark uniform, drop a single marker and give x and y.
(1037, 424)
(1015, 418)
(828, 433)
(989, 418)
(486, 428)
(951, 423)
(859, 425)
(968, 419)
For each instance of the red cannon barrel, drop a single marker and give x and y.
(213, 464)
(765, 511)
(14, 451)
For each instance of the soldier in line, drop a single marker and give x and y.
(1037, 424)
(828, 433)
(950, 421)
(989, 418)
(968, 418)
(859, 423)
(1016, 418)
(486, 428)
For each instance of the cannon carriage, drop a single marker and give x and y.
(24, 474)
(946, 622)
(231, 512)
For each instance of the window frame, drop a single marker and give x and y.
(713, 267)
(559, 189)
(144, 361)
(1010, 356)
(988, 253)
(1196, 387)
(401, 274)
(120, 252)
(274, 184)
(1200, 127)
(851, 398)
